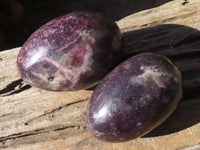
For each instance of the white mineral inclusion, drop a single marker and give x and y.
(151, 74)
(127, 66)
(73, 73)
(98, 134)
(139, 124)
(88, 57)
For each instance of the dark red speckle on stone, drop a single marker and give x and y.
(78, 56)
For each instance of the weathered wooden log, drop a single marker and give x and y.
(31, 118)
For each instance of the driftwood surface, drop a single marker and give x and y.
(31, 118)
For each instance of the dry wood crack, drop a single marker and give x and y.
(35, 132)
(52, 111)
(14, 88)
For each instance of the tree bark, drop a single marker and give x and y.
(31, 118)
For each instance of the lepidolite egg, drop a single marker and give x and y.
(134, 98)
(71, 52)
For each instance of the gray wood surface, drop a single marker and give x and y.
(31, 118)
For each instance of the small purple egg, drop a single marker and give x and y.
(71, 52)
(134, 98)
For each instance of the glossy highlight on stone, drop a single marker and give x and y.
(71, 52)
(134, 98)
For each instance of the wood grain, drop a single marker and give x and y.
(31, 118)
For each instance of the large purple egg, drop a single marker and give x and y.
(134, 98)
(71, 52)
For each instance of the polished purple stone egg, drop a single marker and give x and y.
(71, 52)
(134, 98)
